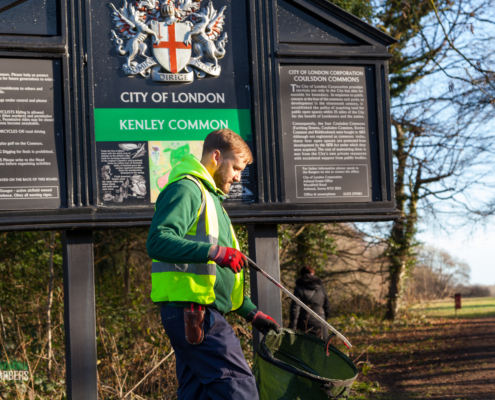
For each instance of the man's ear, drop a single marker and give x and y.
(216, 156)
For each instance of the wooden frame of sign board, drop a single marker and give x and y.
(269, 50)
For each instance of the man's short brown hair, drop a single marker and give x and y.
(227, 141)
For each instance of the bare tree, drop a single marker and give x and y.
(436, 275)
(348, 261)
(442, 95)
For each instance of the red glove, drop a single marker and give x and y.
(264, 323)
(229, 257)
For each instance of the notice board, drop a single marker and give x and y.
(31, 135)
(326, 133)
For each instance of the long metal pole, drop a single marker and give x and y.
(309, 310)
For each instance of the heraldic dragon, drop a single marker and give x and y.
(133, 27)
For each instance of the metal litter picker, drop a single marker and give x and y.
(254, 266)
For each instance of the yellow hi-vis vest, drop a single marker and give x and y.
(195, 282)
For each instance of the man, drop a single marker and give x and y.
(197, 263)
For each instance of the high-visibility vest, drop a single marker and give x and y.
(195, 282)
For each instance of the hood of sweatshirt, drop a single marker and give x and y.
(310, 282)
(190, 165)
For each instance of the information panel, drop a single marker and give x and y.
(161, 86)
(31, 135)
(325, 134)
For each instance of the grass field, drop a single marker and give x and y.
(478, 307)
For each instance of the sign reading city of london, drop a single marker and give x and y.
(164, 77)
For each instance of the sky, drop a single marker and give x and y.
(476, 247)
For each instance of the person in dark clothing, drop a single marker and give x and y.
(310, 290)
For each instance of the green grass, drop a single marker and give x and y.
(477, 307)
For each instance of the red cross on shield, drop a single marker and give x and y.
(171, 51)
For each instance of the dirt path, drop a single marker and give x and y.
(450, 359)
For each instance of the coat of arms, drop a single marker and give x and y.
(169, 39)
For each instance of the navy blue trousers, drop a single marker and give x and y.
(213, 370)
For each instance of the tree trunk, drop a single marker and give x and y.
(397, 235)
(396, 280)
(397, 270)
(402, 235)
(401, 256)
(302, 248)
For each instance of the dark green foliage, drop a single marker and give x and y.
(122, 279)
(24, 271)
(242, 237)
(308, 244)
(130, 336)
(361, 8)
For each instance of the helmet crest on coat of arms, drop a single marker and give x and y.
(169, 40)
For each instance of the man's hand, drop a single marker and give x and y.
(228, 257)
(264, 323)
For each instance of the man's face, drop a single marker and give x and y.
(229, 171)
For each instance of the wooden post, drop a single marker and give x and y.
(458, 305)
(263, 250)
(79, 313)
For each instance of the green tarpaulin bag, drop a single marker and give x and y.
(292, 365)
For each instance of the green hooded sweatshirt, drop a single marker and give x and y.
(176, 210)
